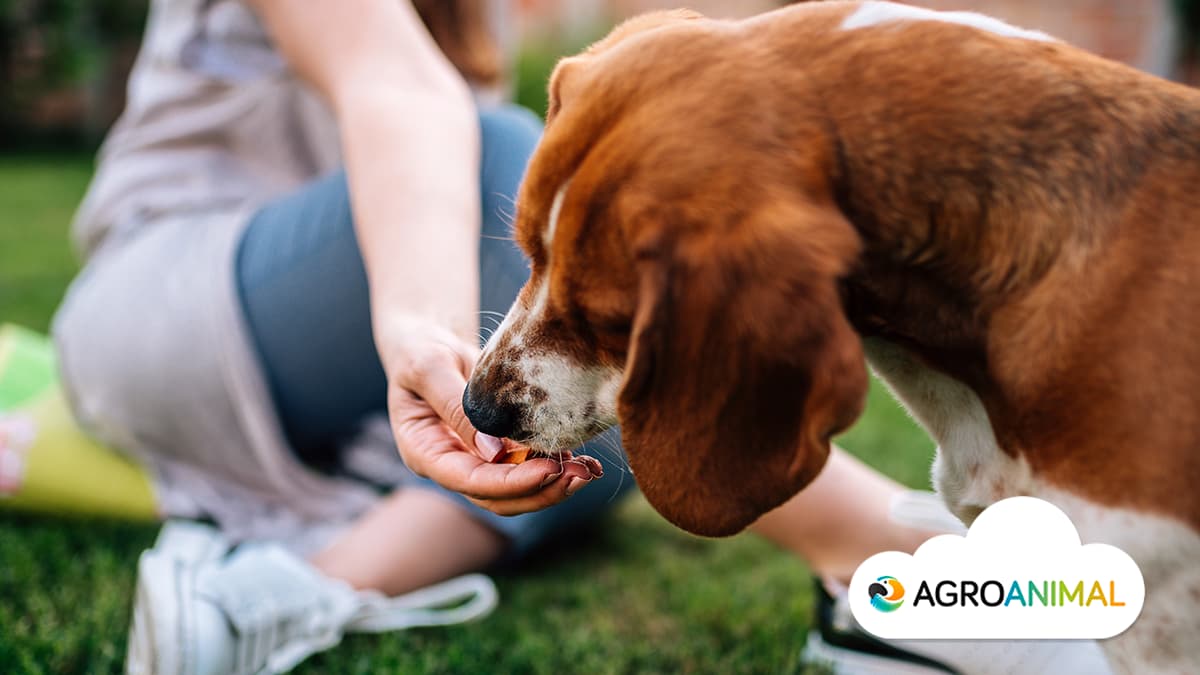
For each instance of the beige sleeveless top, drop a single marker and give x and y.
(214, 121)
(153, 349)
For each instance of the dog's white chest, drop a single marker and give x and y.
(970, 471)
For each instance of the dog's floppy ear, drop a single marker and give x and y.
(742, 364)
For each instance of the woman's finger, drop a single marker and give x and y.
(432, 450)
(439, 378)
(575, 477)
(465, 473)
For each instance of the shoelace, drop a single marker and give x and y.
(281, 647)
(458, 600)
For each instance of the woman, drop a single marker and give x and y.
(246, 306)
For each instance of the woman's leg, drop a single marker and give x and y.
(841, 519)
(411, 539)
(305, 297)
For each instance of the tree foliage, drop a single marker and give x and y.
(48, 44)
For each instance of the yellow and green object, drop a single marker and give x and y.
(47, 463)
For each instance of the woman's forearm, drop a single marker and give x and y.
(413, 165)
(410, 140)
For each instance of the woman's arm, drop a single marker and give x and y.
(410, 138)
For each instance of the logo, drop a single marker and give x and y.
(886, 594)
(1020, 573)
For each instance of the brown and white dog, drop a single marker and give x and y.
(723, 217)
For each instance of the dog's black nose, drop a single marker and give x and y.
(490, 416)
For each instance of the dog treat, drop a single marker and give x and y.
(514, 453)
(515, 456)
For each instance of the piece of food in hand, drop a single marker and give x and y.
(516, 455)
(513, 452)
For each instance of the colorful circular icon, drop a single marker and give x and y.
(886, 594)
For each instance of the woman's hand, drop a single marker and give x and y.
(427, 368)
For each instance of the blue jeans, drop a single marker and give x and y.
(304, 292)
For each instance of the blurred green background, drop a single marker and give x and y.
(629, 595)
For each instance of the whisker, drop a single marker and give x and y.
(610, 449)
(508, 217)
(486, 318)
(508, 198)
(619, 462)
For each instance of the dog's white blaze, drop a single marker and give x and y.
(878, 13)
(511, 331)
(541, 297)
(971, 472)
(555, 210)
(502, 331)
(577, 400)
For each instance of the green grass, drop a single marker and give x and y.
(632, 595)
(37, 198)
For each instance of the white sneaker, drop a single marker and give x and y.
(263, 610)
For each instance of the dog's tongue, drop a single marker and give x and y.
(489, 446)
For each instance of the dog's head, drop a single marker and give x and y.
(685, 279)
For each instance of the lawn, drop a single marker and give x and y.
(633, 596)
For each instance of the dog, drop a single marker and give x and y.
(725, 220)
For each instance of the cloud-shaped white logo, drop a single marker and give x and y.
(1020, 573)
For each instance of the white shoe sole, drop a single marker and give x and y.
(160, 618)
(165, 578)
